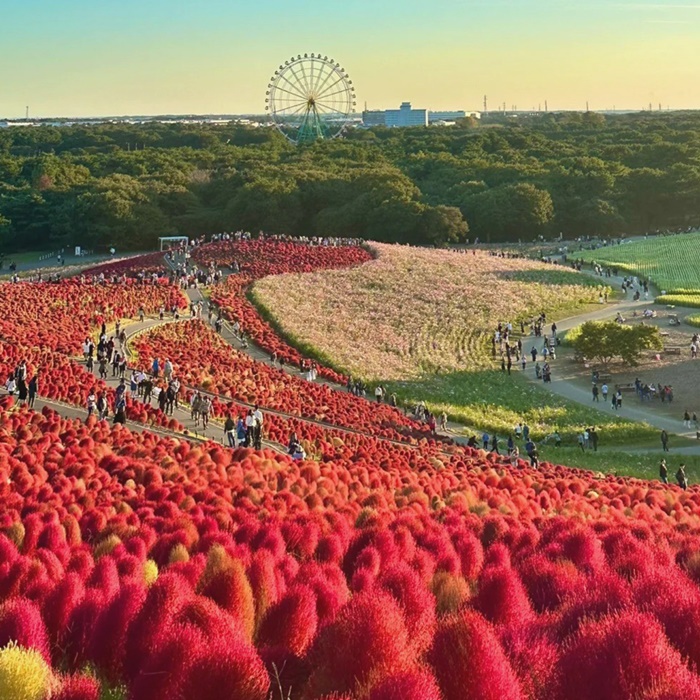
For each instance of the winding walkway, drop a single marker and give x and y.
(568, 389)
(560, 385)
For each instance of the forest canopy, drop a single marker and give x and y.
(575, 174)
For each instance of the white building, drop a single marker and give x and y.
(406, 116)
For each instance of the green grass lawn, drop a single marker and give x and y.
(32, 256)
(643, 465)
(494, 401)
(672, 263)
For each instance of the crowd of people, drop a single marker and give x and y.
(511, 351)
(160, 384)
(588, 439)
(24, 388)
(520, 434)
(422, 414)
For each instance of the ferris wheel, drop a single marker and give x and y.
(310, 97)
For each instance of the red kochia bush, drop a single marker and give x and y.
(20, 621)
(624, 656)
(224, 669)
(189, 665)
(292, 622)
(368, 641)
(78, 687)
(111, 629)
(469, 662)
(502, 597)
(408, 685)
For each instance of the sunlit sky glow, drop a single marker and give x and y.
(93, 58)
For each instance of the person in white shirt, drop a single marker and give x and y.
(379, 393)
(11, 385)
(249, 429)
(91, 403)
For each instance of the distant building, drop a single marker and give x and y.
(452, 116)
(374, 117)
(406, 116)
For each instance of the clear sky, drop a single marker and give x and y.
(103, 57)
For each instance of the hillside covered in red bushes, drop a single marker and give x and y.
(386, 566)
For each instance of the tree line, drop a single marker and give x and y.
(501, 181)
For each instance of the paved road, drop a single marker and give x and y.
(631, 408)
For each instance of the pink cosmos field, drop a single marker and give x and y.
(412, 311)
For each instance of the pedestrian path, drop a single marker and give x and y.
(567, 389)
(559, 385)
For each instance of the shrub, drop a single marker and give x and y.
(368, 641)
(24, 675)
(21, 623)
(469, 662)
(408, 685)
(623, 656)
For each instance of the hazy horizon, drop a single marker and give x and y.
(82, 59)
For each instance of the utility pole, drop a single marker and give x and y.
(546, 108)
(587, 110)
(26, 113)
(486, 107)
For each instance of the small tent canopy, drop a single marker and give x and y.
(165, 241)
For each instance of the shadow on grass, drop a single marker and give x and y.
(555, 275)
(494, 401)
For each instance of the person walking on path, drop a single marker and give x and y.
(604, 392)
(686, 420)
(663, 472)
(204, 408)
(195, 407)
(257, 428)
(101, 407)
(664, 440)
(593, 436)
(91, 403)
(229, 428)
(531, 450)
(240, 431)
(33, 389)
(681, 477)
(514, 457)
(595, 393)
